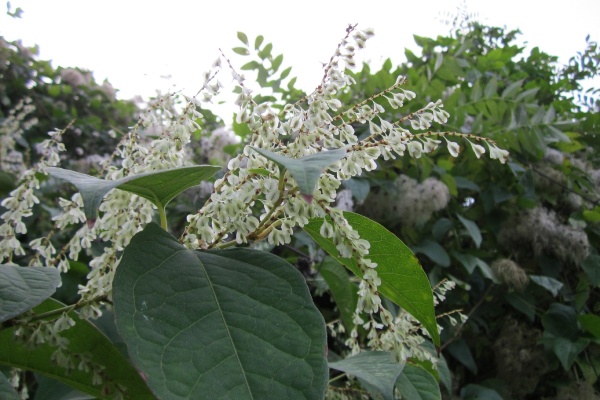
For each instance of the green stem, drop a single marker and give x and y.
(163, 217)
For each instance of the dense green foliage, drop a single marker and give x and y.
(521, 240)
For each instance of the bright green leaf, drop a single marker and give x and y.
(7, 392)
(276, 63)
(415, 383)
(160, 187)
(22, 288)
(233, 323)
(374, 367)
(472, 229)
(243, 38)
(84, 338)
(285, 73)
(305, 170)
(590, 323)
(402, 278)
(490, 88)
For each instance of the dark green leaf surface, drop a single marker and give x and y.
(344, 292)
(7, 392)
(160, 187)
(375, 367)
(402, 278)
(22, 288)
(229, 324)
(305, 170)
(417, 384)
(83, 338)
(472, 229)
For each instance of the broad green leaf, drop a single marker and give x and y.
(22, 288)
(590, 323)
(402, 278)
(472, 229)
(550, 284)
(344, 292)
(7, 392)
(377, 368)
(243, 38)
(160, 187)
(566, 350)
(277, 62)
(305, 170)
(84, 338)
(561, 320)
(234, 323)
(416, 383)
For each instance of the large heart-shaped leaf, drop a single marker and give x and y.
(84, 339)
(22, 288)
(235, 324)
(402, 278)
(305, 170)
(160, 187)
(377, 368)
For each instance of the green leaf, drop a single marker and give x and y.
(416, 383)
(478, 392)
(285, 73)
(550, 284)
(377, 368)
(472, 229)
(22, 288)
(560, 320)
(241, 51)
(277, 62)
(84, 338)
(476, 92)
(258, 41)
(403, 280)
(160, 187)
(50, 389)
(523, 302)
(590, 323)
(7, 392)
(461, 351)
(234, 323)
(243, 38)
(434, 251)
(344, 292)
(266, 51)
(490, 88)
(305, 170)
(566, 350)
(512, 89)
(591, 266)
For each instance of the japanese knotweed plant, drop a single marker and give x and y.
(206, 315)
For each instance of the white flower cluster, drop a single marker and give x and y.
(407, 201)
(318, 123)
(540, 230)
(21, 200)
(11, 129)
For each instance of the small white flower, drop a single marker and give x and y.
(453, 148)
(477, 149)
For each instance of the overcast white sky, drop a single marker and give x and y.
(136, 43)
